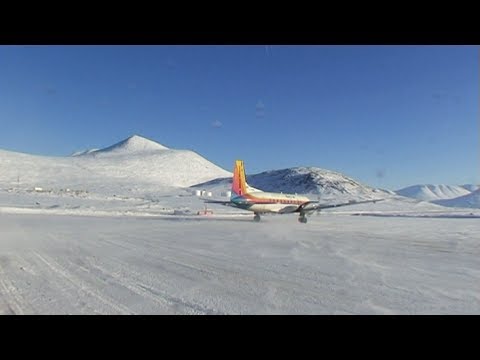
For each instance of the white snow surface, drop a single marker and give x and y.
(471, 187)
(134, 163)
(471, 200)
(133, 144)
(431, 192)
(119, 232)
(88, 253)
(335, 264)
(84, 152)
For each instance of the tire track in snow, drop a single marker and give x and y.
(146, 291)
(61, 290)
(12, 299)
(227, 274)
(229, 280)
(113, 275)
(15, 302)
(71, 278)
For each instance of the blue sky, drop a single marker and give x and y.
(388, 116)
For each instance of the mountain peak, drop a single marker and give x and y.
(133, 144)
(141, 143)
(305, 180)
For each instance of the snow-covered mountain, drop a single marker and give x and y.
(430, 192)
(470, 187)
(471, 200)
(304, 180)
(133, 145)
(84, 152)
(134, 163)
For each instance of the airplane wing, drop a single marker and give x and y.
(315, 205)
(220, 202)
(289, 209)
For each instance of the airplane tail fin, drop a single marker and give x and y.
(239, 183)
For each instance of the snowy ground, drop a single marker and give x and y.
(118, 232)
(168, 264)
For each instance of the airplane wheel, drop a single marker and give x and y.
(256, 218)
(302, 219)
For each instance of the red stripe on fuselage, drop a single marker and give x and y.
(271, 200)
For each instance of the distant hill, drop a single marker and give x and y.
(303, 180)
(471, 200)
(133, 163)
(470, 187)
(430, 192)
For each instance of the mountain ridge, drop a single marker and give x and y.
(471, 200)
(431, 192)
(304, 180)
(132, 144)
(143, 164)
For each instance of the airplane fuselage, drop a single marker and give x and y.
(266, 202)
(246, 197)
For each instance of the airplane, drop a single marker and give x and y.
(249, 198)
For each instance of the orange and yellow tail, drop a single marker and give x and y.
(239, 183)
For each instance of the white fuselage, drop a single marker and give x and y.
(264, 202)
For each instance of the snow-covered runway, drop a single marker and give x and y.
(335, 264)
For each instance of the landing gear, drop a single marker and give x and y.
(256, 218)
(303, 219)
